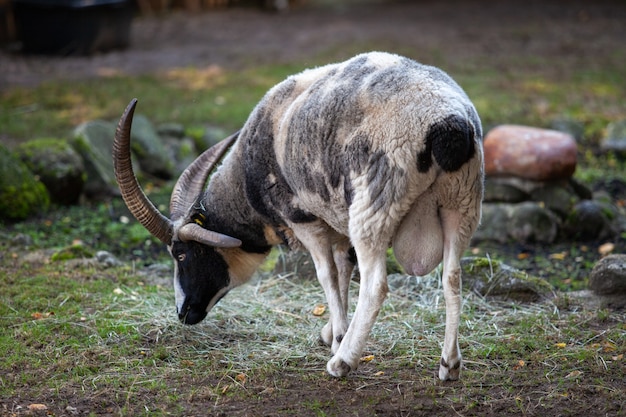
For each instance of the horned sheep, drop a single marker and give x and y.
(376, 151)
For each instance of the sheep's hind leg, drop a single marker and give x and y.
(345, 267)
(454, 244)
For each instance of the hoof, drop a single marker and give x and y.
(449, 372)
(338, 368)
(326, 335)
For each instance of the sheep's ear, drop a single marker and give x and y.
(197, 233)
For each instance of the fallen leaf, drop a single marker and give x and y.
(319, 310)
(118, 291)
(574, 374)
(367, 358)
(606, 249)
(379, 373)
(618, 357)
(37, 315)
(608, 347)
(558, 256)
(241, 378)
(37, 407)
(520, 364)
(560, 345)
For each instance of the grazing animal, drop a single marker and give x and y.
(375, 151)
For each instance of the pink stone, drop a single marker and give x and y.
(529, 152)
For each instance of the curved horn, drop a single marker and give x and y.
(191, 182)
(195, 232)
(134, 197)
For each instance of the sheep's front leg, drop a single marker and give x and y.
(372, 294)
(319, 242)
(454, 244)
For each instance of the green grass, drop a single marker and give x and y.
(111, 339)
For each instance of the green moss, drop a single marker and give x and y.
(21, 193)
(72, 252)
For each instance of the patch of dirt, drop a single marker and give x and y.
(451, 32)
(576, 32)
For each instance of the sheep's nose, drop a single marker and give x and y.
(191, 316)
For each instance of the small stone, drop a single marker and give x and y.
(608, 276)
(107, 259)
(22, 240)
(529, 152)
(615, 139)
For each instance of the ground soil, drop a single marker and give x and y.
(571, 32)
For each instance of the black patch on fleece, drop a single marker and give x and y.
(450, 142)
(266, 189)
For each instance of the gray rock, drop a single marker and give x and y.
(94, 142)
(556, 197)
(157, 274)
(491, 278)
(58, 166)
(211, 136)
(22, 240)
(590, 220)
(582, 191)
(21, 193)
(502, 191)
(615, 139)
(495, 223)
(149, 149)
(608, 276)
(173, 130)
(182, 151)
(525, 222)
(531, 222)
(107, 259)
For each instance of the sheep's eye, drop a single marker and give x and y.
(181, 257)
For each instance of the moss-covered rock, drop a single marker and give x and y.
(58, 166)
(149, 149)
(75, 251)
(94, 142)
(488, 277)
(21, 193)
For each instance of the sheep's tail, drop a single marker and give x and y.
(452, 142)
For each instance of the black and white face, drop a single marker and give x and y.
(201, 279)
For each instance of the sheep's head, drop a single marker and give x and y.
(201, 274)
